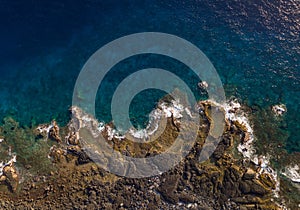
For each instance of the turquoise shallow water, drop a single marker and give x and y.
(254, 47)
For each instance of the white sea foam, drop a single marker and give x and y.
(234, 114)
(154, 117)
(101, 126)
(188, 112)
(44, 128)
(175, 109)
(113, 133)
(80, 120)
(264, 168)
(110, 132)
(293, 173)
(94, 126)
(203, 85)
(9, 163)
(279, 109)
(140, 134)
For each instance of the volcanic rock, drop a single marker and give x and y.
(54, 132)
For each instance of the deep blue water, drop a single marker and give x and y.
(44, 44)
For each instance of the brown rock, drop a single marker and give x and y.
(249, 174)
(267, 180)
(54, 132)
(235, 173)
(258, 188)
(57, 154)
(2, 178)
(168, 188)
(247, 199)
(245, 187)
(73, 138)
(12, 178)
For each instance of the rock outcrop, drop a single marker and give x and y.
(54, 132)
(225, 181)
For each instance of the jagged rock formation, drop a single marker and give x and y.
(226, 181)
(54, 132)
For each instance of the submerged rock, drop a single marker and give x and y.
(203, 85)
(279, 110)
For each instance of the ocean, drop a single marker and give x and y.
(254, 47)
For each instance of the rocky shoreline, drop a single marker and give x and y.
(57, 173)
